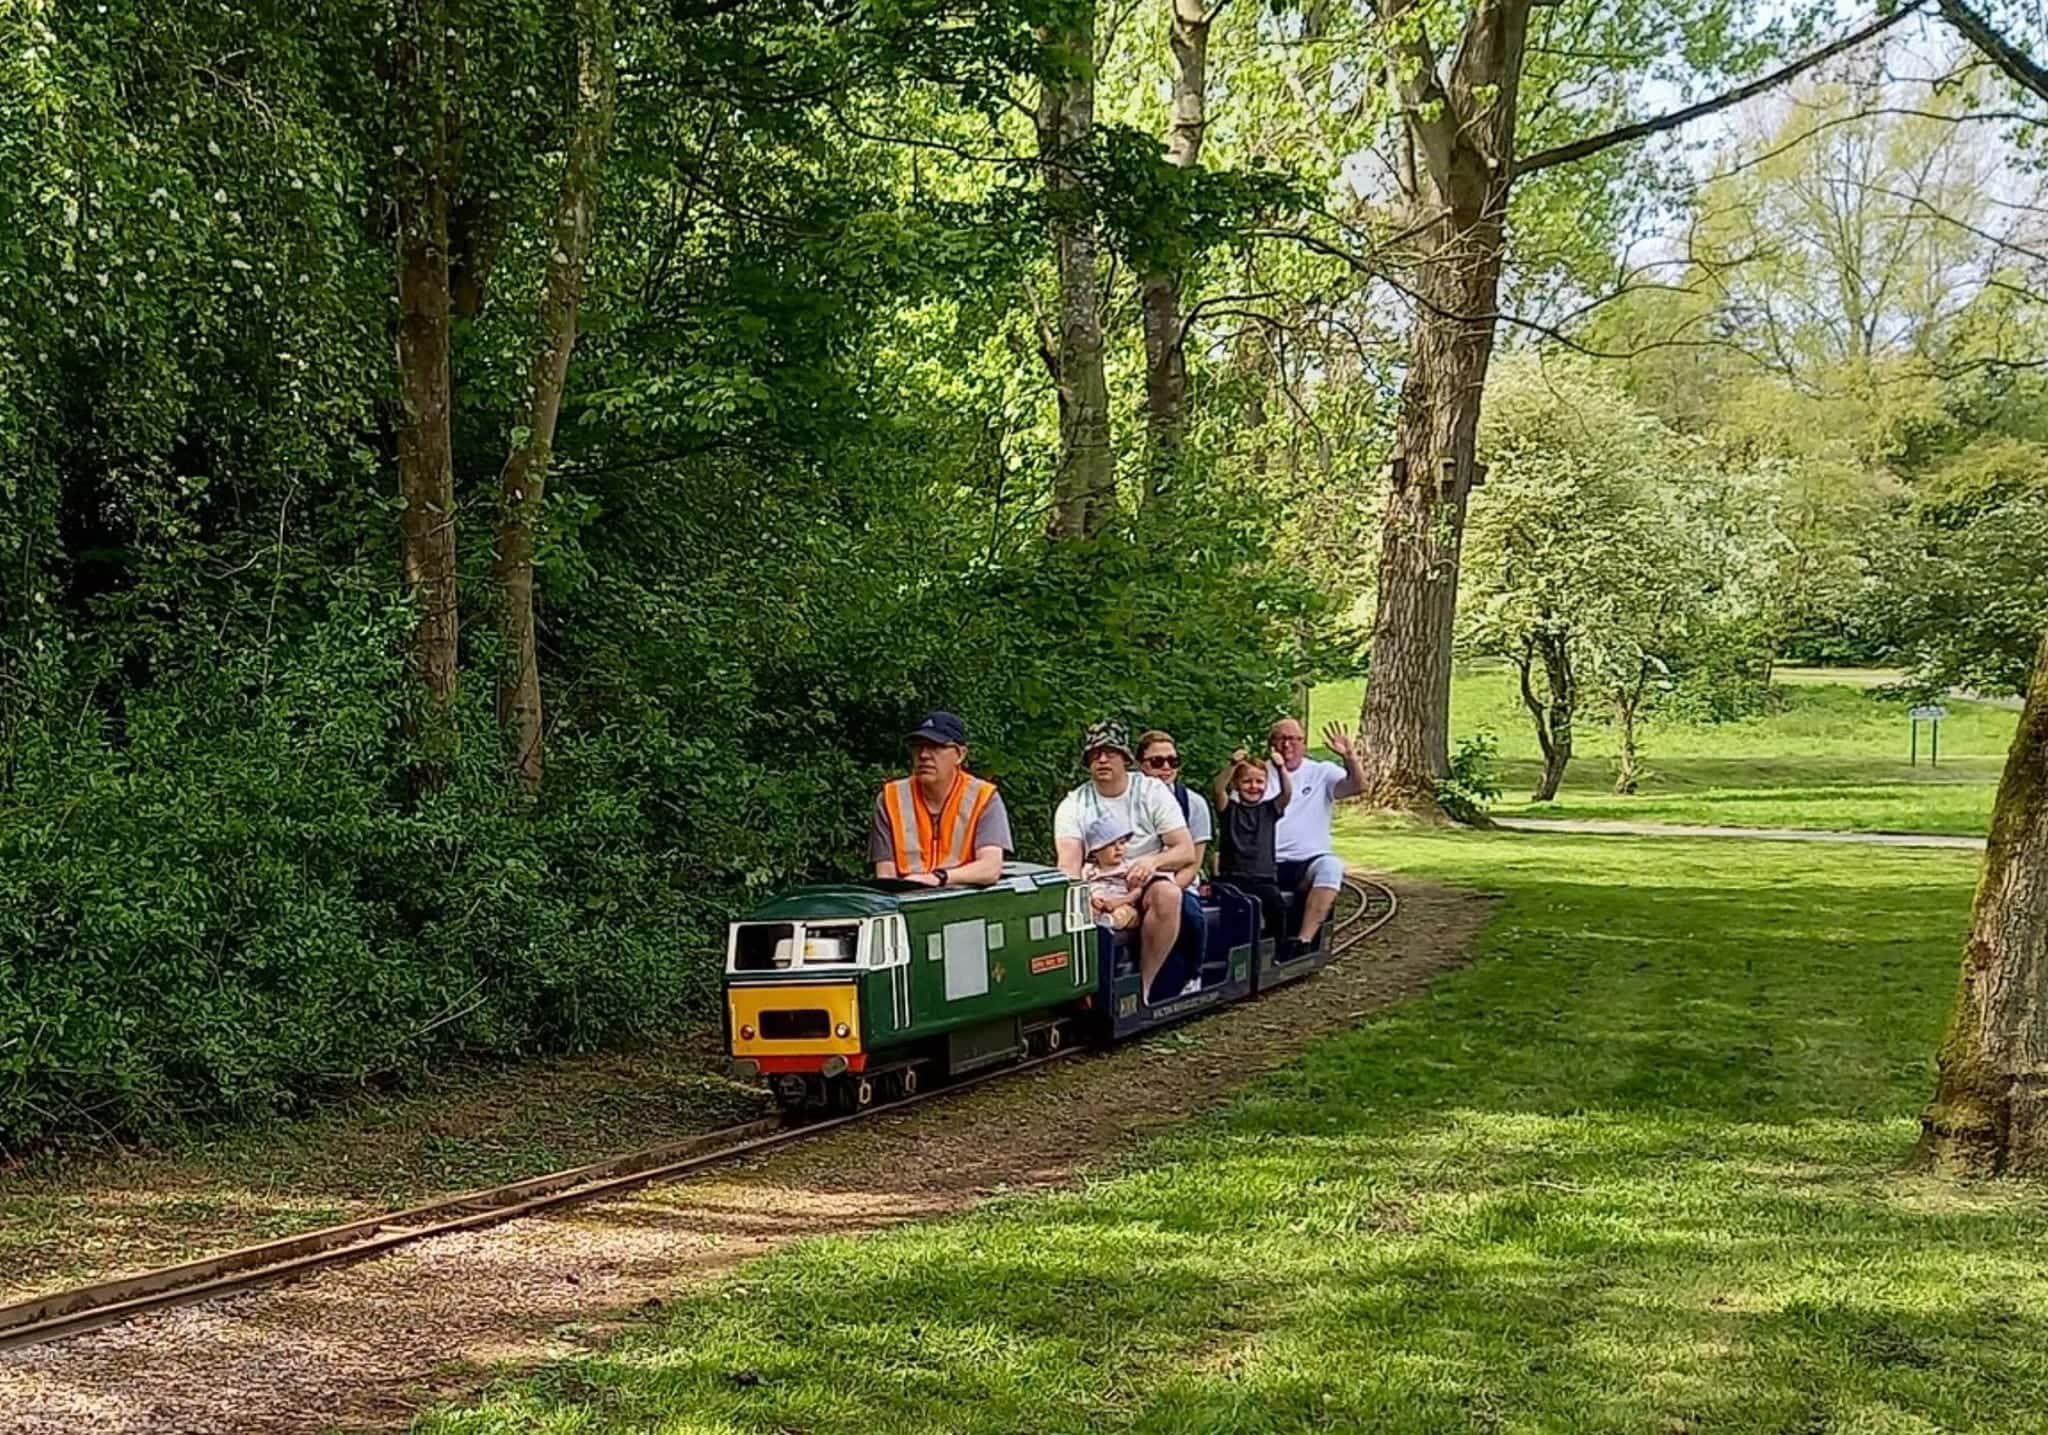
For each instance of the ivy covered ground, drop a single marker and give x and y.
(1642, 1167)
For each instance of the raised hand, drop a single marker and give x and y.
(1337, 740)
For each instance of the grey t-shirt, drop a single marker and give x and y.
(993, 830)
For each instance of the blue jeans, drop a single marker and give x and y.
(1184, 962)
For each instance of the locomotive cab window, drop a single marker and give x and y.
(781, 946)
(888, 942)
(1078, 915)
(764, 946)
(831, 944)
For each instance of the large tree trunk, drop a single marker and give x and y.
(1166, 368)
(1406, 718)
(1990, 1107)
(1084, 490)
(426, 459)
(523, 483)
(1455, 165)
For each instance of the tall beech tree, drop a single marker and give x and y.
(523, 484)
(1084, 486)
(424, 70)
(1159, 289)
(1458, 92)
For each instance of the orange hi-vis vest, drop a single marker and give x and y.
(924, 845)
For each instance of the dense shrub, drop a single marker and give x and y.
(1473, 783)
(221, 895)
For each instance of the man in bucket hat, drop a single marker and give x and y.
(941, 826)
(1159, 843)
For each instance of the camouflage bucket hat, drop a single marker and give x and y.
(1109, 735)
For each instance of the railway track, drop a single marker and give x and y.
(62, 1314)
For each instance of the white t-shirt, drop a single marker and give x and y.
(1201, 822)
(1147, 805)
(1303, 830)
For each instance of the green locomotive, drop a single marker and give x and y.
(838, 995)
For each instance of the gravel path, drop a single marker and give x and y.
(1602, 828)
(364, 1347)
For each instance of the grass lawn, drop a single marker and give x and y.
(1638, 1169)
(1830, 756)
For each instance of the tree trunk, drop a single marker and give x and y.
(1990, 1107)
(1084, 489)
(1406, 718)
(523, 483)
(1455, 164)
(1552, 711)
(1166, 369)
(426, 459)
(1630, 774)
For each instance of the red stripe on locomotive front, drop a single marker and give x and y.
(782, 1065)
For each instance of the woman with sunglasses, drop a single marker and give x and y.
(1159, 757)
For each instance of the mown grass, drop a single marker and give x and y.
(1828, 755)
(1641, 1168)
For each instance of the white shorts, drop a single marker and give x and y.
(1324, 871)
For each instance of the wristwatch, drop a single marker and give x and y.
(943, 875)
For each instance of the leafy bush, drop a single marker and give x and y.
(220, 895)
(1473, 784)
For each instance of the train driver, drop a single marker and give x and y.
(1302, 836)
(941, 826)
(1169, 916)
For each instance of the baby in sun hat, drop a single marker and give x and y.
(1113, 901)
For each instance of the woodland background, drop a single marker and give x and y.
(484, 487)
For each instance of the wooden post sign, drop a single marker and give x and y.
(1932, 716)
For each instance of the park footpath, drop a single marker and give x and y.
(1596, 827)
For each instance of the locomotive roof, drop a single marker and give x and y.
(878, 898)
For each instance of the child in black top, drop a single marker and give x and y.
(1245, 823)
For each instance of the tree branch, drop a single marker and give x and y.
(2002, 52)
(1579, 149)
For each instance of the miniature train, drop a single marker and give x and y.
(841, 995)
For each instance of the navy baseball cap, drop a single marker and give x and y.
(941, 727)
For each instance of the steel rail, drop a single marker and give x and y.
(60, 1314)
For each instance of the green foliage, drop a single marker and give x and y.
(1473, 783)
(796, 499)
(1160, 216)
(219, 898)
(1599, 531)
(1968, 608)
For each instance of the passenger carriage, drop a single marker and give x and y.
(1269, 968)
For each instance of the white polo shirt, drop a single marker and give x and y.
(1303, 830)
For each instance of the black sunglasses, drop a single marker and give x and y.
(1173, 761)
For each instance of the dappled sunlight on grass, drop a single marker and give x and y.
(1639, 1169)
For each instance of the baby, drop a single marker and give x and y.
(1115, 904)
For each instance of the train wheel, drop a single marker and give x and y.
(910, 1081)
(1054, 1038)
(863, 1094)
